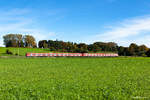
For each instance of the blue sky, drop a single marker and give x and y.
(121, 21)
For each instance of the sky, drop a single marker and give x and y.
(86, 21)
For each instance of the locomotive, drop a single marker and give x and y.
(71, 55)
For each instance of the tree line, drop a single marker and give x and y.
(18, 40)
(62, 46)
(134, 50)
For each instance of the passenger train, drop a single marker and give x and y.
(71, 55)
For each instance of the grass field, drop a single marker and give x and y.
(22, 51)
(74, 78)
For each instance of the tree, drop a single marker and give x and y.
(121, 51)
(126, 51)
(133, 49)
(19, 39)
(43, 44)
(96, 48)
(110, 46)
(13, 40)
(82, 48)
(29, 41)
(148, 53)
(142, 50)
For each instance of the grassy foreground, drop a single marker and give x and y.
(74, 78)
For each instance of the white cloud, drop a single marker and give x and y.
(14, 21)
(131, 30)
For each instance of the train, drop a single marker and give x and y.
(72, 55)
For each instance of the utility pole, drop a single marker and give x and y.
(18, 48)
(18, 51)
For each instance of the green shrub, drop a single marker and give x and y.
(16, 54)
(8, 52)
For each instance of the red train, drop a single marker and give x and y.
(71, 55)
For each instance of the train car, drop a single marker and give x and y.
(54, 54)
(71, 55)
(100, 55)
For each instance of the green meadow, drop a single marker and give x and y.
(74, 78)
(21, 51)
